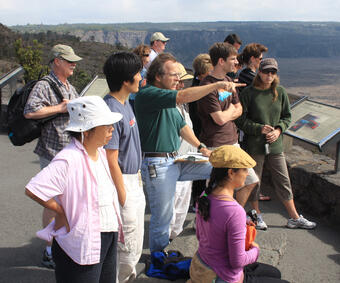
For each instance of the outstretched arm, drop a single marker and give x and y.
(195, 93)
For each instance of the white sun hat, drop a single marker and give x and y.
(88, 112)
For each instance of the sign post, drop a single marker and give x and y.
(337, 158)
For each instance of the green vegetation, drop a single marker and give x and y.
(31, 51)
(30, 58)
(79, 79)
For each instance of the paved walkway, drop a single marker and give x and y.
(302, 256)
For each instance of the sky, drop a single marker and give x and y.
(22, 12)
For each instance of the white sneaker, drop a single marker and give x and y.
(301, 222)
(261, 225)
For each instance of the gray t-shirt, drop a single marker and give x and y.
(125, 137)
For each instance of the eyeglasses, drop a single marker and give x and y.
(269, 71)
(146, 55)
(178, 75)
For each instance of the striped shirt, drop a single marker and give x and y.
(53, 138)
(246, 76)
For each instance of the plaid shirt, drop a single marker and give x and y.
(53, 138)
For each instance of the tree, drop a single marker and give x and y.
(79, 79)
(30, 58)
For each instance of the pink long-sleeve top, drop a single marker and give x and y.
(222, 240)
(70, 180)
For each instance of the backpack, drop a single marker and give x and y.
(171, 265)
(21, 130)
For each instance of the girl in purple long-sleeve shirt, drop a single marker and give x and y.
(222, 238)
(221, 223)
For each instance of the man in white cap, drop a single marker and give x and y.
(43, 102)
(157, 42)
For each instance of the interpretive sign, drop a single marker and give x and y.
(314, 122)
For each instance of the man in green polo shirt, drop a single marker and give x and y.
(160, 126)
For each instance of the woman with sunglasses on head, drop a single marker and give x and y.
(78, 187)
(221, 226)
(251, 57)
(266, 115)
(143, 51)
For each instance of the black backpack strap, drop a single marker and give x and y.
(54, 87)
(56, 90)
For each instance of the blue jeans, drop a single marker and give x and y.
(160, 175)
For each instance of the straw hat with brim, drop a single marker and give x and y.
(230, 156)
(183, 73)
(89, 112)
(159, 36)
(64, 51)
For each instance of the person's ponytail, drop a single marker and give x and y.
(217, 178)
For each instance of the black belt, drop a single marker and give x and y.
(160, 154)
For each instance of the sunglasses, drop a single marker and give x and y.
(61, 58)
(146, 55)
(269, 71)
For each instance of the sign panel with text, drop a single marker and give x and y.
(314, 122)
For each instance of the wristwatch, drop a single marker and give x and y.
(202, 145)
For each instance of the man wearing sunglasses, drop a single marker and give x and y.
(43, 102)
(157, 42)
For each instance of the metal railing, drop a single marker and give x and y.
(11, 76)
(10, 79)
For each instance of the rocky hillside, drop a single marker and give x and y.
(94, 53)
(7, 38)
(129, 39)
(284, 39)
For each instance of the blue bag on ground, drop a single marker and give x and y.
(171, 265)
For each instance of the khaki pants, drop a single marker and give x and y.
(279, 175)
(199, 272)
(133, 227)
(181, 206)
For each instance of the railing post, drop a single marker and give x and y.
(0, 99)
(337, 158)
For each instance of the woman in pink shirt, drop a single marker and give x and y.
(221, 226)
(77, 185)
